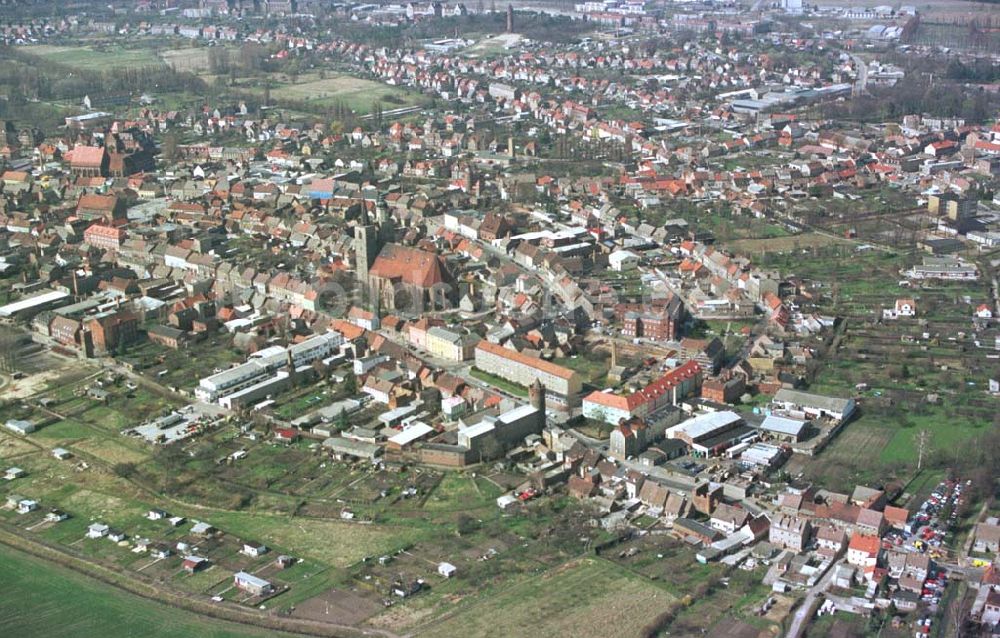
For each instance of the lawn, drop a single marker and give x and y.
(589, 597)
(503, 384)
(593, 366)
(463, 492)
(89, 59)
(41, 599)
(64, 430)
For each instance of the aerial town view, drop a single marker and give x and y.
(544, 318)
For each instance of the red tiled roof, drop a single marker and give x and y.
(864, 543)
(649, 393)
(98, 230)
(87, 156)
(410, 265)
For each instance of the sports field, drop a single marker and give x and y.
(41, 599)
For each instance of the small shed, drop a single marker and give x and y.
(97, 530)
(14, 473)
(447, 570)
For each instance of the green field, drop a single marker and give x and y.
(592, 366)
(590, 597)
(330, 541)
(357, 94)
(41, 599)
(89, 59)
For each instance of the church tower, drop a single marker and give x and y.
(365, 249)
(386, 225)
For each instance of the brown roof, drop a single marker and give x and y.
(730, 514)
(93, 201)
(410, 265)
(870, 518)
(896, 515)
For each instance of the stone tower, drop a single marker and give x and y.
(365, 249)
(536, 395)
(510, 18)
(386, 225)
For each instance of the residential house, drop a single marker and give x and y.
(790, 532)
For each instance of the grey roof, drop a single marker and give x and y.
(783, 425)
(805, 399)
(705, 424)
(359, 449)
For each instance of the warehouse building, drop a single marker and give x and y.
(712, 433)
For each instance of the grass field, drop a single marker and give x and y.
(192, 59)
(781, 244)
(605, 601)
(41, 599)
(356, 93)
(88, 59)
(329, 541)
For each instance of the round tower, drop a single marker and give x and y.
(536, 395)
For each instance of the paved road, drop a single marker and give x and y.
(805, 611)
(861, 84)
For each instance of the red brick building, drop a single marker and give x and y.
(649, 326)
(660, 322)
(110, 330)
(65, 331)
(723, 390)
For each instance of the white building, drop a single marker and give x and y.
(266, 362)
(623, 260)
(98, 530)
(447, 570)
(20, 426)
(813, 406)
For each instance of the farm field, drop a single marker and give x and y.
(64, 603)
(605, 601)
(89, 59)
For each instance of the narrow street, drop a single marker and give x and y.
(805, 611)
